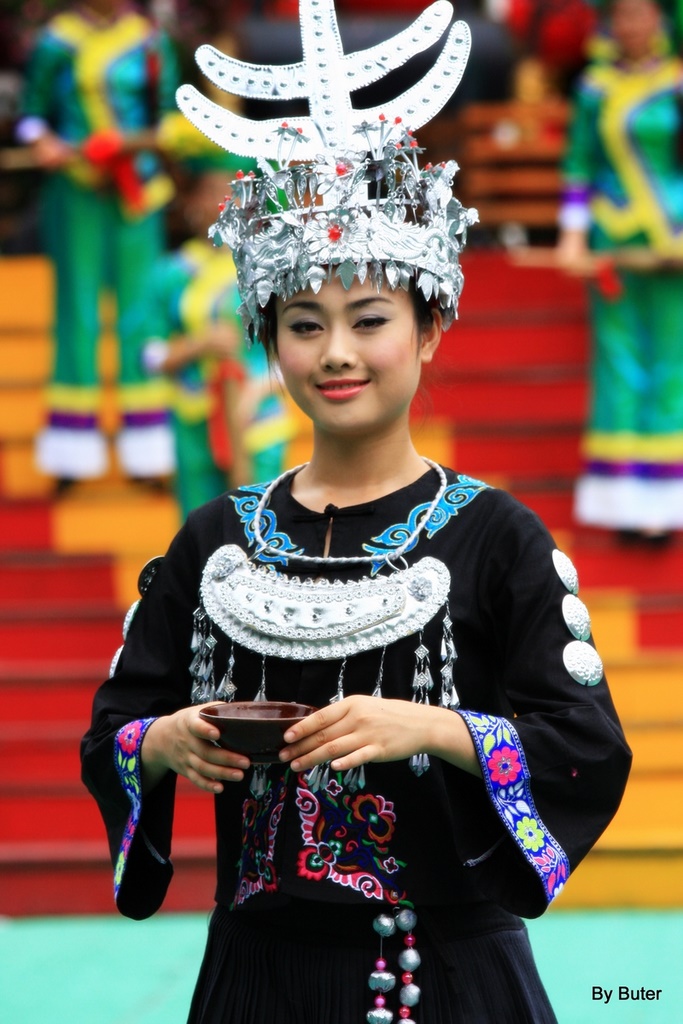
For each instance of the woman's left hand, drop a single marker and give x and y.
(360, 729)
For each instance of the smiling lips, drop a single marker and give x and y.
(339, 390)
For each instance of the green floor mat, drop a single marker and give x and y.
(102, 970)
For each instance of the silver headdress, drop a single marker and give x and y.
(341, 191)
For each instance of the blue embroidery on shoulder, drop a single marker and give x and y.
(453, 499)
(246, 502)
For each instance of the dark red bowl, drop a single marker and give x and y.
(255, 728)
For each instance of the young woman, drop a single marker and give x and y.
(99, 84)
(228, 417)
(624, 200)
(466, 753)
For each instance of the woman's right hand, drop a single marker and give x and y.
(184, 743)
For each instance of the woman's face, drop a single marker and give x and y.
(635, 26)
(351, 360)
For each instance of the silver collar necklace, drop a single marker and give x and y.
(262, 546)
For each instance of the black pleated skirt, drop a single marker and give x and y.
(309, 963)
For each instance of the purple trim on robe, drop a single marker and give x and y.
(575, 194)
(641, 470)
(73, 420)
(148, 418)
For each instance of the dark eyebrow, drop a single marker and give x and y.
(308, 304)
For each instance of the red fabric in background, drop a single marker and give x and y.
(219, 436)
(556, 31)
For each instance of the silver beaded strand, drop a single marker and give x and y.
(262, 546)
(383, 980)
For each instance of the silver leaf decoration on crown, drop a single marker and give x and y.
(339, 192)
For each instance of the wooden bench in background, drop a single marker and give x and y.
(509, 155)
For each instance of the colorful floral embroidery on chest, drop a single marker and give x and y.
(345, 840)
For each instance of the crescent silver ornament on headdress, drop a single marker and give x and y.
(326, 77)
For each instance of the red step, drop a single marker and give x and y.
(494, 285)
(64, 692)
(660, 626)
(54, 751)
(530, 454)
(76, 878)
(539, 399)
(44, 576)
(64, 810)
(603, 562)
(90, 632)
(474, 342)
(25, 525)
(58, 810)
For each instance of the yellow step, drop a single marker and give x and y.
(652, 809)
(647, 687)
(22, 412)
(629, 878)
(614, 618)
(20, 478)
(123, 524)
(26, 293)
(434, 438)
(25, 357)
(656, 748)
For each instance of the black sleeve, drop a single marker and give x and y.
(555, 761)
(151, 678)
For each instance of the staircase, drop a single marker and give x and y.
(505, 402)
(68, 572)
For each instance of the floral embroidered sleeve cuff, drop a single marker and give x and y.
(508, 784)
(127, 745)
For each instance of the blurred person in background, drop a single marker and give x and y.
(230, 424)
(623, 199)
(99, 80)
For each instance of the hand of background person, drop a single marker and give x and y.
(573, 253)
(220, 339)
(109, 145)
(51, 153)
(360, 729)
(251, 394)
(184, 743)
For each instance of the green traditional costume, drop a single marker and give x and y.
(91, 80)
(624, 176)
(191, 289)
